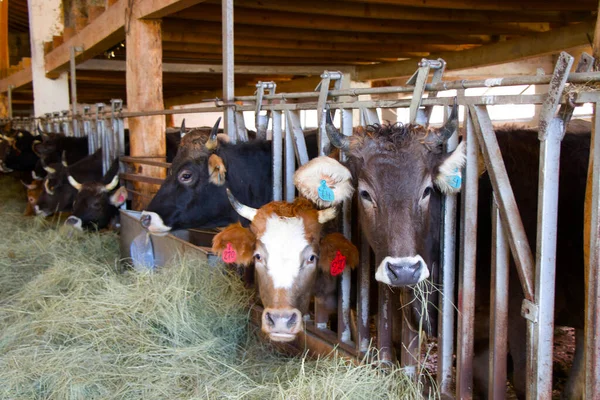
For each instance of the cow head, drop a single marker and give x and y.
(401, 172)
(96, 203)
(284, 243)
(34, 191)
(58, 195)
(19, 154)
(193, 194)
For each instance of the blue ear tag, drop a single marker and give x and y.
(455, 180)
(325, 193)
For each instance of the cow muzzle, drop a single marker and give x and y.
(74, 222)
(152, 222)
(4, 168)
(402, 271)
(41, 212)
(282, 325)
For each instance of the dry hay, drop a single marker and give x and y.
(75, 325)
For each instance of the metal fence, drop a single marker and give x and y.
(536, 274)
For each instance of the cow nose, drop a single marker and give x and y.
(74, 222)
(282, 325)
(406, 271)
(146, 220)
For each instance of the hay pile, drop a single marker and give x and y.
(75, 325)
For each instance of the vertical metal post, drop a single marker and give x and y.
(592, 320)
(228, 69)
(56, 122)
(293, 123)
(277, 146)
(540, 327)
(384, 322)
(10, 109)
(290, 163)
(498, 307)
(72, 50)
(467, 262)
(87, 129)
(448, 273)
(48, 122)
(66, 126)
(101, 132)
(364, 283)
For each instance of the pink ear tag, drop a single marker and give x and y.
(121, 199)
(229, 254)
(337, 264)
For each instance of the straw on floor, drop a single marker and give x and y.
(76, 324)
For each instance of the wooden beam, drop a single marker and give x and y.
(508, 5)
(187, 57)
(4, 55)
(168, 68)
(145, 92)
(276, 43)
(413, 13)
(209, 12)
(107, 30)
(176, 25)
(18, 79)
(510, 50)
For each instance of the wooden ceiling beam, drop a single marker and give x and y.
(404, 13)
(265, 42)
(501, 52)
(17, 80)
(493, 5)
(209, 12)
(108, 29)
(193, 27)
(186, 56)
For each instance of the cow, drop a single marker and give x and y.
(58, 194)
(285, 243)
(96, 205)
(34, 191)
(401, 174)
(19, 155)
(193, 194)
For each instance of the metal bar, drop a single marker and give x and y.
(498, 308)
(436, 78)
(447, 273)
(540, 333)
(585, 64)
(277, 147)
(10, 108)
(73, 76)
(364, 283)
(517, 238)
(240, 126)
(228, 68)
(467, 263)
(370, 116)
(290, 164)
(66, 126)
(575, 77)
(144, 161)
(419, 87)
(592, 320)
(293, 122)
(384, 322)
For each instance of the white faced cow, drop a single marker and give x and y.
(285, 242)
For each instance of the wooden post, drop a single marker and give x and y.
(4, 63)
(145, 93)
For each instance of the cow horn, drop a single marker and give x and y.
(74, 183)
(29, 186)
(212, 142)
(113, 184)
(49, 170)
(451, 124)
(36, 177)
(64, 159)
(247, 212)
(50, 192)
(336, 137)
(182, 128)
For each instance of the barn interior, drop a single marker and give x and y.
(165, 56)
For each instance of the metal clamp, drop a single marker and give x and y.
(529, 310)
(419, 80)
(323, 88)
(262, 121)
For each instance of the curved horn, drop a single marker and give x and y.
(74, 183)
(64, 159)
(247, 212)
(451, 124)
(212, 143)
(30, 186)
(336, 137)
(49, 170)
(36, 177)
(113, 184)
(182, 128)
(50, 192)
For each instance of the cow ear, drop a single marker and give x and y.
(336, 253)
(324, 181)
(119, 197)
(235, 244)
(216, 170)
(449, 173)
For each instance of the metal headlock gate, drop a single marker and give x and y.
(536, 274)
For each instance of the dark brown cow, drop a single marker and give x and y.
(285, 242)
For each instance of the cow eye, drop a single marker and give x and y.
(312, 258)
(257, 257)
(185, 176)
(96, 206)
(365, 195)
(427, 192)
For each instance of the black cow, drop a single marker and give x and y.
(193, 195)
(96, 203)
(401, 172)
(20, 155)
(58, 194)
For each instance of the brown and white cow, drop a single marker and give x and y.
(34, 191)
(290, 254)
